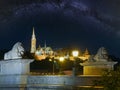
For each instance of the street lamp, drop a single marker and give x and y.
(75, 55)
(61, 59)
(53, 67)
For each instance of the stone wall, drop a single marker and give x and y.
(30, 82)
(62, 80)
(51, 80)
(13, 79)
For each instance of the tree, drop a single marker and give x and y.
(110, 80)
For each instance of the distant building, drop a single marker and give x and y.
(41, 52)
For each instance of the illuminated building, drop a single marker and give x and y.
(41, 52)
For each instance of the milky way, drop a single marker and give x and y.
(86, 23)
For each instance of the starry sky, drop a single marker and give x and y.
(61, 23)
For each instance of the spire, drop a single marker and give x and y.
(86, 52)
(33, 42)
(33, 33)
(39, 47)
(45, 45)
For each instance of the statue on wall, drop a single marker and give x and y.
(16, 52)
(102, 55)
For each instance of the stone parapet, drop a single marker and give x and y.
(52, 82)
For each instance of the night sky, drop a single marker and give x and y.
(61, 23)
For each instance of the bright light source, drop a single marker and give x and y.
(61, 59)
(75, 53)
(50, 60)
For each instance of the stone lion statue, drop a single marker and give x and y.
(16, 52)
(102, 55)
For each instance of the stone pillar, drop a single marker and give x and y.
(17, 66)
(73, 71)
(14, 74)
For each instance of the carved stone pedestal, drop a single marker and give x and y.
(14, 73)
(97, 68)
(17, 66)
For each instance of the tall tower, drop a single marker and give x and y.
(33, 42)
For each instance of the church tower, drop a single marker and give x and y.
(33, 42)
(86, 54)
